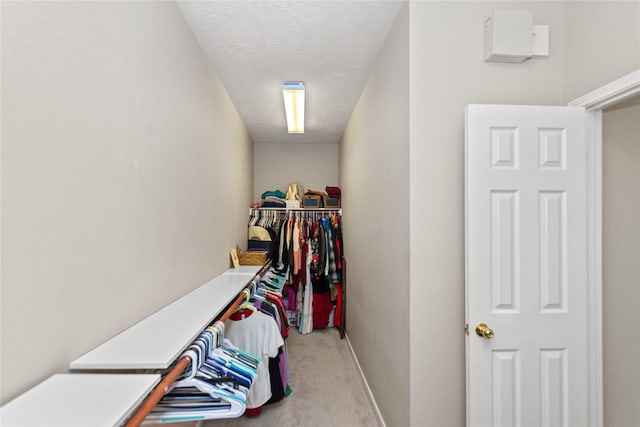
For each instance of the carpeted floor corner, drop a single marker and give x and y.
(327, 388)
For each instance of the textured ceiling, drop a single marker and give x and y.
(255, 46)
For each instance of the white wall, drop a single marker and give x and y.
(313, 166)
(126, 175)
(621, 271)
(447, 72)
(374, 175)
(602, 43)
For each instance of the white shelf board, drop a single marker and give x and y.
(250, 270)
(157, 341)
(70, 400)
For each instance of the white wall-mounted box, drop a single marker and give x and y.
(540, 42)
(508, 36)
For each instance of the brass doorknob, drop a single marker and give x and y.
(484, 331)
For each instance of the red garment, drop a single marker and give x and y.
(322, 307)
(292, 299)
(333, 192)
(278, 303)
(337, 316)
(253, 412)
(241, 314)
(304, 249)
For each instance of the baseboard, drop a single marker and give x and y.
(366, 385)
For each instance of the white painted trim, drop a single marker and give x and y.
(597, 259)
(594, 264)
(366, 385)
(610, 94)
(594, 102)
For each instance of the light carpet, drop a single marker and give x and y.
(327, 388)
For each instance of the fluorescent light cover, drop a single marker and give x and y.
(293, 93)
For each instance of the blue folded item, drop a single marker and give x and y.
(258, 245)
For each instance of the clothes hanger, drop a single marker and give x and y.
(219, 326)
(243, 377)
(247, 361)
(240, 370)
(243, 355)
(246, 303)
(222, 376)
(230, 361)
(215, 340)
(245, 309)
(236, 402)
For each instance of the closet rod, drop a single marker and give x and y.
(158, 393)
(285, 210)
(183, 363)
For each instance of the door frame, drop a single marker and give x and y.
(594, 102)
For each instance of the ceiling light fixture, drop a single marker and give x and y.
(293, 93)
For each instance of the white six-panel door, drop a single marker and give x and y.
(526, 265)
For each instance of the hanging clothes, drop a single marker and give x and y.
(308, 251)
(258, 334)
(215, 386)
